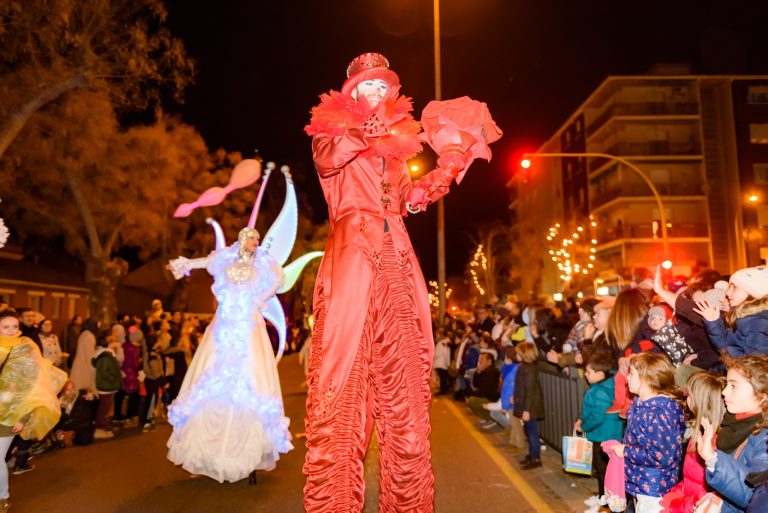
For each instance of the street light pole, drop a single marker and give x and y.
(440, 203)
(637, 170)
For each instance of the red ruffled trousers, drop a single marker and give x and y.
(388, 384)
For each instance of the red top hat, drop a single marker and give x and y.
(369, 66)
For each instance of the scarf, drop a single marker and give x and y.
(733, 431)
(337, 113)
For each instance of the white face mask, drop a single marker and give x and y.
(372, 90)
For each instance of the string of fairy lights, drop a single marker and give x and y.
(434, 298)
(478, 262)
(573, 251)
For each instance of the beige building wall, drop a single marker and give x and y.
(684, 134)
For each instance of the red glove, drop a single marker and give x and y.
(374, 126)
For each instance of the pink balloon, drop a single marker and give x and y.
(245, 173)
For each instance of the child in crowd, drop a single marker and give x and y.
(529, 401)
(746, 297)
(501, 410)
(152, 378)
(442, 360)
(705, 401)
(130, 367)
(746, 397)
(109, 379)
(466, 361)
(652, 443)
(78, 408)
(594, 422)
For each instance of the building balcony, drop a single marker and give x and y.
(650, 109)
(647, 149)
(514, 194)
(598, 199)
(645, 231)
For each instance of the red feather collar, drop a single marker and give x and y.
(338, 112)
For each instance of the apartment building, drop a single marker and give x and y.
(703, 143)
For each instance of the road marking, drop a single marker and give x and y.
(530, 495)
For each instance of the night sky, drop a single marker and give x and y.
(263, 63)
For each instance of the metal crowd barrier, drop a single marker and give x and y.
(562, 402)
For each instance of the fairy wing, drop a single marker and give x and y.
(292, 271)
(274, 314)
(282, 234)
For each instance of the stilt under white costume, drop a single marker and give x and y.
(228, 419)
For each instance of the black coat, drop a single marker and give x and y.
(528, 394)
(486, 383)
(690, 325)
(82, 416)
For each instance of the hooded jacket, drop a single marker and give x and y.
(749, 335)
(654, 446)
(109, 378)
(598, 425)
(729, 476)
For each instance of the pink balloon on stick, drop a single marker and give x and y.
(244, 174)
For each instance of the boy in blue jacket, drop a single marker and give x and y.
(597, 425)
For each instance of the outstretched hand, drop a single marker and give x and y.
(658, 286)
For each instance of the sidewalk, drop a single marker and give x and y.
(549, 481)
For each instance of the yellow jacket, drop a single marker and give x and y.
(29, 385)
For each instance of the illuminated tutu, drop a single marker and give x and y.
(228, 419)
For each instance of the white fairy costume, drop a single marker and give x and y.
(228, 419)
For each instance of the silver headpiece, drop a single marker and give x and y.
(242, 238)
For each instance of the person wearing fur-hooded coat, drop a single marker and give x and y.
(747, 295)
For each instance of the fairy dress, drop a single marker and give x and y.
(228, 419)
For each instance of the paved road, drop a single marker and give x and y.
(130, 474)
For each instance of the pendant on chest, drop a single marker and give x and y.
(239, 272)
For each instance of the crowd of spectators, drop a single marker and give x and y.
(678, 385)
(120, 376)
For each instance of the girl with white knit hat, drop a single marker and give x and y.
(747, 297)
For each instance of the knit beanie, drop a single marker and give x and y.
(715, 294)
(658, 311)
(752, 279)
(135, 334)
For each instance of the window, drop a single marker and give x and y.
(58, 300)
(36, 300)
(72, 306)
(758, 133)
(760, 172)
(757, 95)
(6, 295)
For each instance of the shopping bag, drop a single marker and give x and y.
(516, 432)
(709, 503)
(577, 455)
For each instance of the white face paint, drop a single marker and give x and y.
(251, 244)
(372, 90)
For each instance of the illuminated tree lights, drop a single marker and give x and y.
(434, 298)
(478, 261)
(574, 252)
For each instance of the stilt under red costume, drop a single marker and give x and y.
(372, 346)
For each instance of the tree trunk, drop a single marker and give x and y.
(18, 118)
(102, 277)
